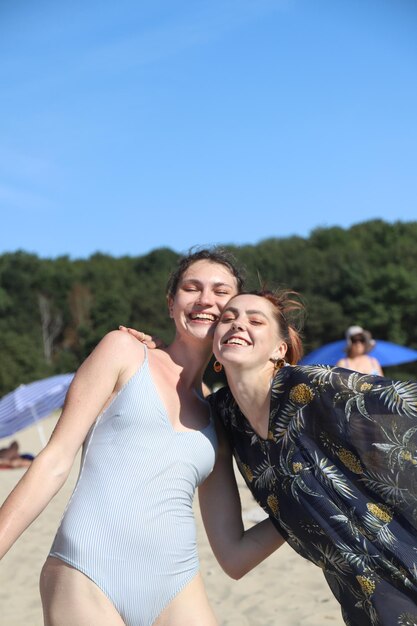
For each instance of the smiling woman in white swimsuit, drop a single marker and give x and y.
(125, 552)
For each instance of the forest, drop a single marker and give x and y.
(54, 311)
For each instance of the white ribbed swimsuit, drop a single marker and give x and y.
(129, 524)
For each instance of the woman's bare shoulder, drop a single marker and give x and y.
(120, 349)
(119, 340)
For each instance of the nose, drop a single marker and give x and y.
(206, 297)
(237, 325)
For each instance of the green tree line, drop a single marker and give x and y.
(54, 311)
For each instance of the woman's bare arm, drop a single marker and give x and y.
(236, 549)
(93, 385)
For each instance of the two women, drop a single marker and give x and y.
(330, 455)
(125, 552)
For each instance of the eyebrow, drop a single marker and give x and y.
(248, 312)
(195, 281)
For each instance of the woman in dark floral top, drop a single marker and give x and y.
(330, 455)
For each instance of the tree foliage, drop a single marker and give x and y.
(54, 311)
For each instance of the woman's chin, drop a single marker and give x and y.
(203, 332)
(232, 360)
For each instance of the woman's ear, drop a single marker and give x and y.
(280, 351)
(170, 301)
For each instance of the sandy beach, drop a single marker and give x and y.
(285, 590)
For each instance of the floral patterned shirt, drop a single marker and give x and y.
(338, 477)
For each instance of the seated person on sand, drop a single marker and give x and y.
(10, 457)
(358, 343)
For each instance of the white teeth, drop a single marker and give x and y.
(238, 342)
(203, 316)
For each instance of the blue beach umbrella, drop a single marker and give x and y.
(386, 352)
(27, 404)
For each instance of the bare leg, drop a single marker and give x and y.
(189, 608)
(69, 598)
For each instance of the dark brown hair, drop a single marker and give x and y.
(289, 314)
(213, 255)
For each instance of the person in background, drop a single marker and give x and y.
(359, 343)
(10, 457)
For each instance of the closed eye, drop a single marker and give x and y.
(227, 318)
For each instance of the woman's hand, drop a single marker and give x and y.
(148, 340)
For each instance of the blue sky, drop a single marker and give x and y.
(131, 125)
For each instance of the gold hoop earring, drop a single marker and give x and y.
(217, 366)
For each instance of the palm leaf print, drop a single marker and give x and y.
(408, 434)
(350, 403)
(350, 521)
(331, 559)
(289, 423)
(311, 528)
(361, 559)
(352, 380)
(398, 574)
(292, 538)
(333, 477)
(298, 484)
(407, 619)
(376, 521)
(386, 486)
(278, 386)
(292, 475)
(320, 374)
(397, 451)
(401, 397)
(357, 401)
(360, 403)
(264, 475)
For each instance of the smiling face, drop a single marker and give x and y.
(247, 335)
(203, 291)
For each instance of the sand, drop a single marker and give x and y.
(285, 590)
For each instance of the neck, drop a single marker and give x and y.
(252, 391)
(191, 360)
